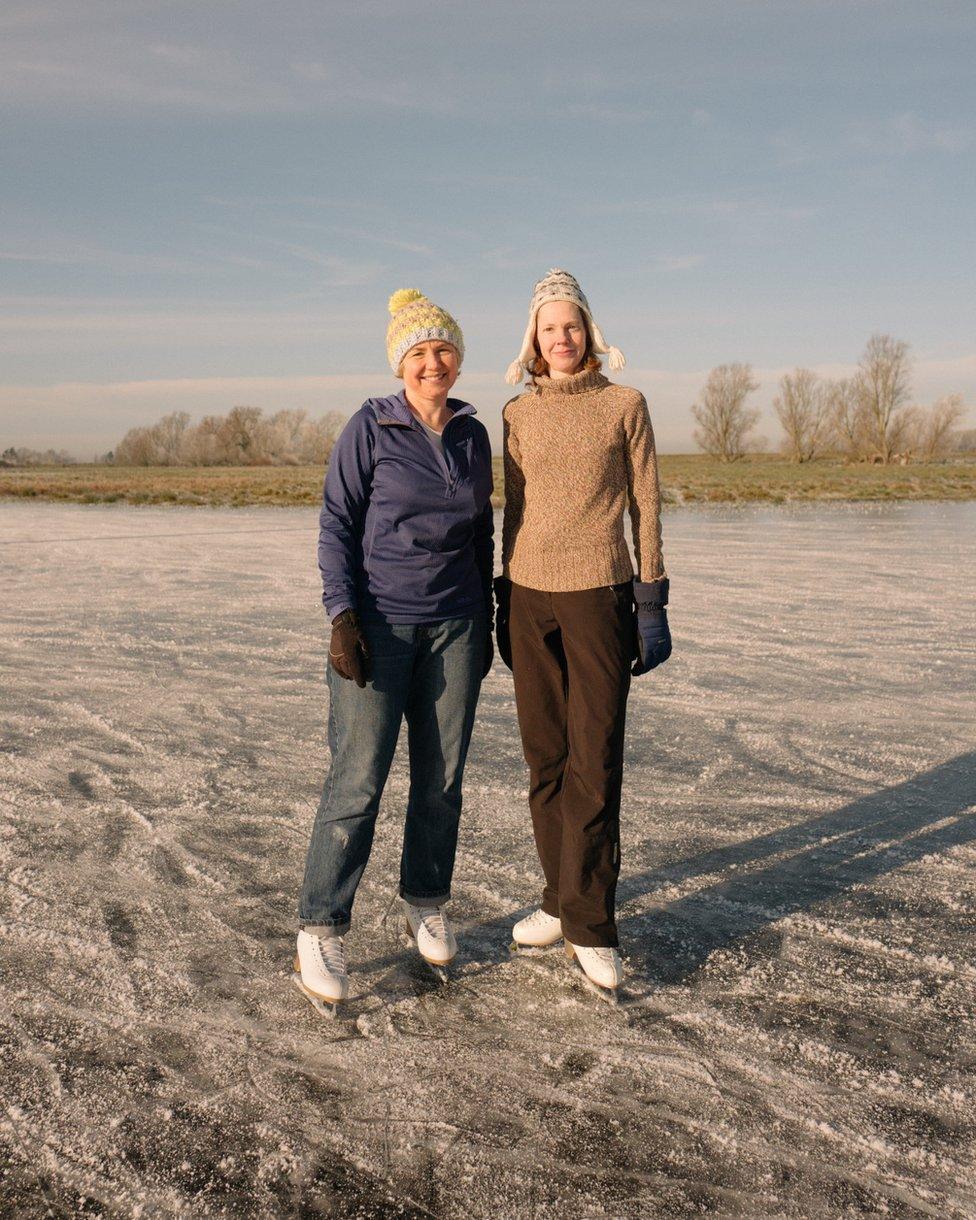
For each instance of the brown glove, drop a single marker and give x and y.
(348, 653)
(503, 603)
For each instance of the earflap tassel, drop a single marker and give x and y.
(617, 360)
(514, 374)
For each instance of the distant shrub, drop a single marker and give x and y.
(243, 437)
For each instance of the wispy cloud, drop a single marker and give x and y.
(604, 112)
(340, 272)
(908, 133)
(679, 262)
(899, 135)
(62, 253)
(369, 237)
(120, 328)
(746, 208)
(105, 55)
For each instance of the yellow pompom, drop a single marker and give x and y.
(402, 297)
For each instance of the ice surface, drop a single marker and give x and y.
(798, 906)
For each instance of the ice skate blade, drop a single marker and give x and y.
(518, 949)
(325, 1008)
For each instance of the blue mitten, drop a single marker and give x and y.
(653, 635)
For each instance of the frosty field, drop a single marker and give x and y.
(797, 902)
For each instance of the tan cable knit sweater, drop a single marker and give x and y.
(578, 452)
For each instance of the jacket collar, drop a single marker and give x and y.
(394, 411)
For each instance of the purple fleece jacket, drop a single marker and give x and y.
(404, 530)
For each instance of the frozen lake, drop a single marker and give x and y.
(798, 897)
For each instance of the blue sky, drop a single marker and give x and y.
(208, 203)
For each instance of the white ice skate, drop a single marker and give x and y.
(536, 931)
(431, 931)
(602, 966)
(320, 971)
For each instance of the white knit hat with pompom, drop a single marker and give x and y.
(559, 285)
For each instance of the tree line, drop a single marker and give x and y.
(21, 455)
(242, 437)
(868, 417)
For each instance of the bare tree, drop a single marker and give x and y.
(883, 387)
(320, 438)
(237, 436)
(724, 421)
(934, 437)
(803, 409)
(136, 448)
(848, 419)
(965, 442)
(202, 444)
(167, 438)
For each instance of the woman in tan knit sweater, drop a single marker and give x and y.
(574, 622)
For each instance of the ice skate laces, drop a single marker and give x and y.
(331, 954)
(433, 920)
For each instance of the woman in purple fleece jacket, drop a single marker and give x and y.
(405, 552)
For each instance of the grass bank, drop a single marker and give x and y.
(686, 478)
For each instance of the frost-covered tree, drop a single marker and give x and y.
(320, 437)
(136, 448)
(238, 436)
(20, 455)
(244, 437)
(167, 438)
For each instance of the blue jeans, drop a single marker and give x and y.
(431, 675)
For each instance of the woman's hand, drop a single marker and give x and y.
(348, 653)
(653, 633)
(503, 601)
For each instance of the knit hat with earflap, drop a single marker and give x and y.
(415, 320)
(559, 285)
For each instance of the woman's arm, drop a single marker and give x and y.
(514, 490)
(644, 491)
(345, 497)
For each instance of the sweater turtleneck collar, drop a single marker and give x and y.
(579, 383)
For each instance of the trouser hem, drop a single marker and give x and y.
(324, 929)
(585, 942)
(425, 900)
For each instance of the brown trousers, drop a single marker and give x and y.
(571, 658)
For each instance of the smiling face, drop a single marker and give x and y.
(560, 335)
(430, 369)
